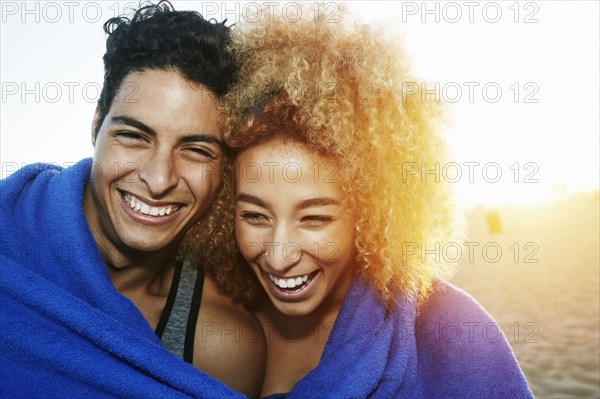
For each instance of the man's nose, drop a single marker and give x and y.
(159, 173)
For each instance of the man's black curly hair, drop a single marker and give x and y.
(159, 37)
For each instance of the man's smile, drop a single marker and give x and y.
(142, 206)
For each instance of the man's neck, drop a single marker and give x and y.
(131, 270)
(146, 283)
(151, 273)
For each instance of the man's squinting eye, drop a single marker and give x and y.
(201, 152)
(129, 136)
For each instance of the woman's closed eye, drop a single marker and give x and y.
(317, 220)
(254, 218)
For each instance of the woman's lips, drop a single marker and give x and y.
(293, 289)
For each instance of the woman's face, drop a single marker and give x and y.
(293, 226)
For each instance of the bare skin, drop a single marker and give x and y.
(294, 345)
(229, 342)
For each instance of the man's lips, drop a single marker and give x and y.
(150, 208)
(149, 213)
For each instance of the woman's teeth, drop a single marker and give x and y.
(293, 284)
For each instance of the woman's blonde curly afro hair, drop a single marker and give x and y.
(341, 89)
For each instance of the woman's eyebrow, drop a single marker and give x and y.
(320, 201)
(251, 199)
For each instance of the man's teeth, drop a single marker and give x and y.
(290, 282)
(146, 209)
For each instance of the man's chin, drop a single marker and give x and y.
(142, 244)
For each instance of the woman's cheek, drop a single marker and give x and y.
(251, 242)
(317, 243)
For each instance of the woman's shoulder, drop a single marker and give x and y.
(463, 349)
(450, 317)
(449, 304)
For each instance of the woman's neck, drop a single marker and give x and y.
(295, 344)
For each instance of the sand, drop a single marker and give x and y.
(549, 310)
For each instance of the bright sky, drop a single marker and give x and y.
(522, 77)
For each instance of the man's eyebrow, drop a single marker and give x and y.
(129, 121)
(251, 199)
(320, 201)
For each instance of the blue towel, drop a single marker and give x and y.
(452, 349)
(64, 329)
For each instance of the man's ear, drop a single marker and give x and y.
(95, 124)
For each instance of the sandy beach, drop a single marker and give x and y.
(539, 277)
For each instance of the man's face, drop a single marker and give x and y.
(157, 163)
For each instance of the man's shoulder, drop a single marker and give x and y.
(17, 181)
(37, 175)
(39, 207)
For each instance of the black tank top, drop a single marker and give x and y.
(177, 325)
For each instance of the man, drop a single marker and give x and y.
(91, 277)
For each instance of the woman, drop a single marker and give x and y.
(328, 209)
